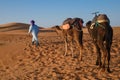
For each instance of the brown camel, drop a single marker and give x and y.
(101, 32)
(71, 31)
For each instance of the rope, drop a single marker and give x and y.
(96, 24)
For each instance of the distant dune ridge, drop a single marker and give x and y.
(19, 60)
(14, 26)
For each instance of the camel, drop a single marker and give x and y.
(101, 32)
(71, 31)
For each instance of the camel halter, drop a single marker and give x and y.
(97, 23)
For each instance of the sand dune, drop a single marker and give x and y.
(19, 60)
(14, 26)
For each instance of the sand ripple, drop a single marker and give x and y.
(47, 62)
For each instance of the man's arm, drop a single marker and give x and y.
(30, 29)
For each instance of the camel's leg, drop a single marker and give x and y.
(104, 54)
(80, 46)
(71, 47)
(98, 61)
(65, 46)
(104, 59)
(108, 46)
(108, 59)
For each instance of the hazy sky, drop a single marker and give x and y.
(48, 13)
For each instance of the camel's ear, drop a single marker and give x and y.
(58, 27)
(82, 21)
(88, 23)
(54, 26)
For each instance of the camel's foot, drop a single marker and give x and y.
(73, 56)
(101, 72)
(80, 59)
(98, 63)
(102, 69)
(108, 70)
(65, 54)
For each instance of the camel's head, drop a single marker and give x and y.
(56, 27)
(88, 24)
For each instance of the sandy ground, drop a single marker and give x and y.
(19, 60)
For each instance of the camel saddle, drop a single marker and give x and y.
(102, 18)
(99, 19)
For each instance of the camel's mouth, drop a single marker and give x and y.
(66, 26)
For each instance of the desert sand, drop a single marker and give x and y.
(19, 60)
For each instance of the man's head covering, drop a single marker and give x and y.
(32, 21)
